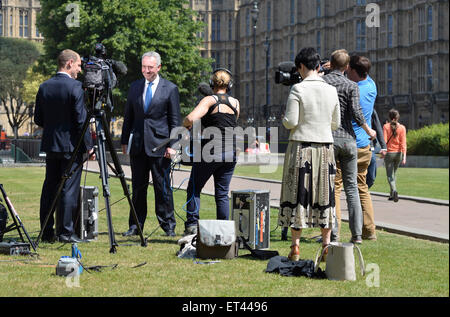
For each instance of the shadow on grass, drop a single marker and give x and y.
(162, 241)
(302, 239)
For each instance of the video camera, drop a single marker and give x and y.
(99, 77)
(288, 75)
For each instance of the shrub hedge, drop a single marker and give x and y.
(430, 140)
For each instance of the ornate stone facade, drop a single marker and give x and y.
(407, 42)
(18, 20)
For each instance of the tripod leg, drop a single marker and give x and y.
(101, 153)
(66, 176)
(18, 223)
(121, 176)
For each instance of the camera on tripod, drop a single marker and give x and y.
(287, 73)
(100, 79)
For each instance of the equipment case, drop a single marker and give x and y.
(86, 223)
(250, 210)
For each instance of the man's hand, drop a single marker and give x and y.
(372, 133)
(169, 153)
(383, 153)
(124, 149)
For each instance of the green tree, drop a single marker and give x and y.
(16, 57)
(128, 28)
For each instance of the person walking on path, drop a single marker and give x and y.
(307, 189)
(395, 137)
(3, 140)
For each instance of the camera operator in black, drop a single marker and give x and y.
(220, 111)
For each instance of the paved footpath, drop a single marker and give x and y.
(412, 216)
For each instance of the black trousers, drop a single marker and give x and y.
(159, 167)
(56, 164)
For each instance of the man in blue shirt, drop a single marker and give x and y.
(358, 71)
(345, 149)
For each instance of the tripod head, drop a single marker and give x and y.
(99, 99)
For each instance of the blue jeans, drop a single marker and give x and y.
(200, 174)
(346, 155)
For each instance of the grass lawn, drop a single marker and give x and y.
(420, 182)
(407, 266)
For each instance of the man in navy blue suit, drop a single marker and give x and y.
(60, 111)
(151, 112)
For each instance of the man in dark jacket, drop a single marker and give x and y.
(60, 111)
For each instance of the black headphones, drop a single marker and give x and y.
(230, 83)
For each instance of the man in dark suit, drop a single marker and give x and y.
(151, 112)
(60, 111)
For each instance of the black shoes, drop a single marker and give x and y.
(170, 233)
(395, 196)
(130, 232)
(48, 239)
(356, 240)
(190, 230)
(134, 232)
(69, 239)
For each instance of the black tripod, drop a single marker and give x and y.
(17, 225)
(103, 138)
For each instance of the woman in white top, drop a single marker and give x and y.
(307, 192)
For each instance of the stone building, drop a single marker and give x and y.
(406, 40)
(18, 20)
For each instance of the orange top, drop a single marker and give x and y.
(2, 135)
(396, 143)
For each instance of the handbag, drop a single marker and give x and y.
(340, 261)
(216, 239)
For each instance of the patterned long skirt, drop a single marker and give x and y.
(307, 191)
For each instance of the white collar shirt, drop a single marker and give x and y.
(64, 74)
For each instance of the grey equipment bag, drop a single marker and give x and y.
(340, 261)
(216, 239)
